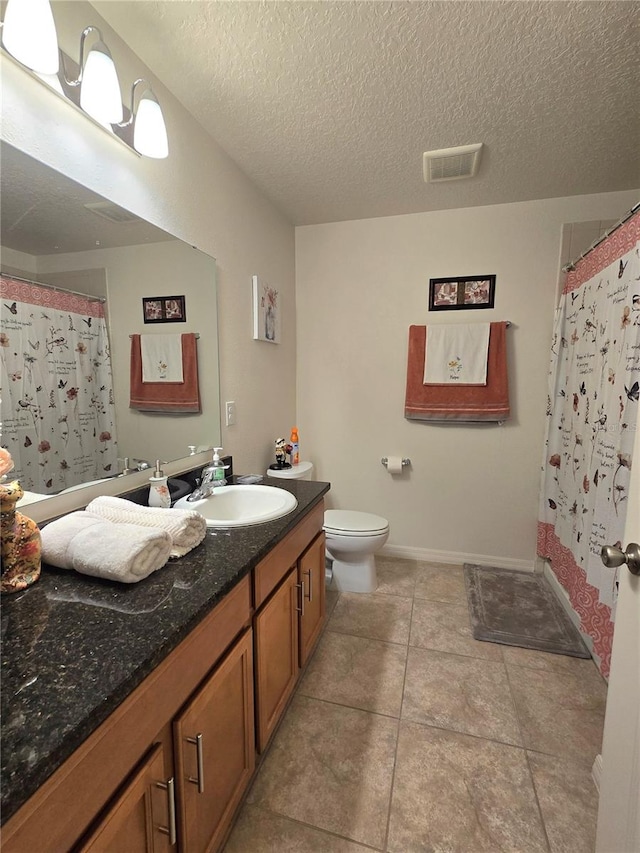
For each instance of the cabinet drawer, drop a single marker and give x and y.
(270, 571)
(142, 820)
(63, 808)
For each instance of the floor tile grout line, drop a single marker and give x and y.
(350, 707)
(465, 734)
(361, 637)
(457, 654)
(368, 637)
(526, 756)
(320, 829)
(535, 794)
(395, 755)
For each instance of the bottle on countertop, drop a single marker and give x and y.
(218, 468)
(159, 489)
(294, 441)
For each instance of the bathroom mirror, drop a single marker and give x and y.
(56, 232)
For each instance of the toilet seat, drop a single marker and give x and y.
(345, 522)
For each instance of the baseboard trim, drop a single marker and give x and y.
(563, 598)
(596, 772)
(456, 558)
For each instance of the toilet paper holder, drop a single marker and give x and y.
(385, 462)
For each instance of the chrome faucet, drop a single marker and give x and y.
(210, 479)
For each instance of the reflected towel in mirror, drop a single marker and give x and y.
(169, 397)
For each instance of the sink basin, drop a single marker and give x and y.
(241, 506)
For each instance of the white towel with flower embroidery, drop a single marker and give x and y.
(161, 358)
(457, 354)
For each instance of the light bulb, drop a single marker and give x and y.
(29, 35)
(100, 95)
(149, 129)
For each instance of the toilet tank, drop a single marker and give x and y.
(301, 471)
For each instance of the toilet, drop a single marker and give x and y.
(352, 538)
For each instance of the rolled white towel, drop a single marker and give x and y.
(94, 546)
(57, 535)
(187, 528)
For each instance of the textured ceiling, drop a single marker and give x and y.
(44, 213)
(328, 106)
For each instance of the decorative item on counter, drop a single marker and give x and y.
(282, 448)
(158, 488)
(294, 453)
(19, 536)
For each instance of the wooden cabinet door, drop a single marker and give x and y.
(142, 820)
(215, 750)
(311, 574)
(276, 637)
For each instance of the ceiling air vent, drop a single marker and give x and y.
(112, 212)
(451, 164)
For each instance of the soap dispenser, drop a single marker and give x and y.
(218, 468)
(158, 488)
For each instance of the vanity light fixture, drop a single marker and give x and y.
(149, 129)
(92, 85)
(98, 81)
(29, 35)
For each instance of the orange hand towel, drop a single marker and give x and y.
(171, 397)
(468, 403)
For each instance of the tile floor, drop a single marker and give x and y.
(405, 734)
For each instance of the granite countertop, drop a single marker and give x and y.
(74, 647)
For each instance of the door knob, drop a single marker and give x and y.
(613, 557)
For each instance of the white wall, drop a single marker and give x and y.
(199, 195)
(471, 492)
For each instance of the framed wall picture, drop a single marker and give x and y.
(164, 309)
(454, 294)
(266, 312)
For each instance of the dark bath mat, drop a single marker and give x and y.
(519, 609)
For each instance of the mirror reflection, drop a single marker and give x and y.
(77, 274)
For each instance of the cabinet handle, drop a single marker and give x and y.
(301, 588)
(310, 596)
(199, 780)
(170, 787)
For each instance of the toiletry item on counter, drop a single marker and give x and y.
(294, 441)
(94, 546)
(218, 466)
(187, 528)
(159, 489)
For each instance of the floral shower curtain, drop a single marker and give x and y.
(58, 414)
(592, 411)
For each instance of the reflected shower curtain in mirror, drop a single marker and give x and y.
(592, 411)
(58, 414)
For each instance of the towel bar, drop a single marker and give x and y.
(405, 462)
(197, 335)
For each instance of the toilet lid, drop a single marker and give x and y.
(296, 472)
(352, 523)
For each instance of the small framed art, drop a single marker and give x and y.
(471, 291)
(164, 309)
(266, 312)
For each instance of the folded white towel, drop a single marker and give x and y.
(93, 546)
(161, 358)
(457, 354)
(187, 528)
(57, 535)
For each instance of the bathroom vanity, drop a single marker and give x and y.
(134, 717)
